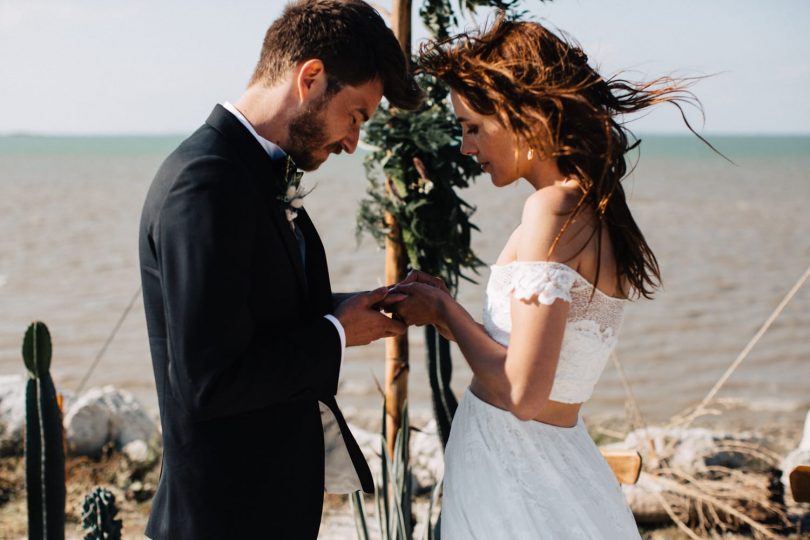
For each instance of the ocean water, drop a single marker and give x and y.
(731, 239)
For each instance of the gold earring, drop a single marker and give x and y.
(530, 155)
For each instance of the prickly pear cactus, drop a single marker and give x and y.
(98, 516)
(44, 450)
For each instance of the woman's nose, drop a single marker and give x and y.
(467, 148)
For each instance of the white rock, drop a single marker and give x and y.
(132, 420)
(12, 413)
(136, 451)
(804, 444)
(643, 500)
(89, 424)
(690, 450)
(103, 415)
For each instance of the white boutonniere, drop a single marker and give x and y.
(292, 197)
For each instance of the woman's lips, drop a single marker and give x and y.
(484, 166)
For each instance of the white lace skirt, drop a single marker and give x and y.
(509, 479)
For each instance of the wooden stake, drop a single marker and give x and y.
(625, 465)
(800, 483)
(401, 25)
(396, 348)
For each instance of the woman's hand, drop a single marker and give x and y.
(423, 304)
(417, 276)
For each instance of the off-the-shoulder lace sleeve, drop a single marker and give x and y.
(545, 280)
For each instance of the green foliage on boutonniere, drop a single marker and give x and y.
(292, 192)
(418, 153)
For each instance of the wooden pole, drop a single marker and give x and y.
(401, 25)
(396, 348)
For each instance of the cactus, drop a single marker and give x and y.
(98, 516)
(440, 369)
(44, 450)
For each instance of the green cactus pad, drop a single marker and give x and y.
(36, 349)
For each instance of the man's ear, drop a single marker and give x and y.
(311, 80)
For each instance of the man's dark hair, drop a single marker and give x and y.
(349, 37)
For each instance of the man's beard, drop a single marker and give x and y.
(307, 135)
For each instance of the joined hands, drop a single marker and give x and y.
(420, 299)
(417, 300)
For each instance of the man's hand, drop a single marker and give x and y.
(339, 298)
(362, 321)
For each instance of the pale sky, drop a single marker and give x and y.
(159, 66)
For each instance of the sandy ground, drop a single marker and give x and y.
(113, 472)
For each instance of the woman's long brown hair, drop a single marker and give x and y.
(540, 86)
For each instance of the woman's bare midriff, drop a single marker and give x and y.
(554, 413)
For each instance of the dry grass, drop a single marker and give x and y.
(718, 499)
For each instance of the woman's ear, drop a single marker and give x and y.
(311, 80)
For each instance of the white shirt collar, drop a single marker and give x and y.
(272, 149)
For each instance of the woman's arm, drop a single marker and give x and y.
(521, 376)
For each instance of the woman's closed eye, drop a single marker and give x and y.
(472, 130)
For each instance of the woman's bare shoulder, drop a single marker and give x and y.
(550, 201)
(545, 215)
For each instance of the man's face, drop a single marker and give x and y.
(330, 125)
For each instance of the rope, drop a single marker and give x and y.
(685, 419)
(640, 422)
(109, 340)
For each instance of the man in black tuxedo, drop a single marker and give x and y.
(246, 335)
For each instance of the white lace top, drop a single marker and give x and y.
(591, 331)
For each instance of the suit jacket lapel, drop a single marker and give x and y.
(289, 239)
(264, 170)
(317, 270)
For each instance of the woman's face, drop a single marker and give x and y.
(490, 143)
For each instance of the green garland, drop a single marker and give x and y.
(434, 220)
(417, 156)
(419, 153)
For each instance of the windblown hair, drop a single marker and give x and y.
(352, 41)
(540, 86)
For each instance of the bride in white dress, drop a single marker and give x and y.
(519, 462)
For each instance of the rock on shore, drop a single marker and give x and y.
(98, 417)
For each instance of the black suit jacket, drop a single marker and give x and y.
(242, 355)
